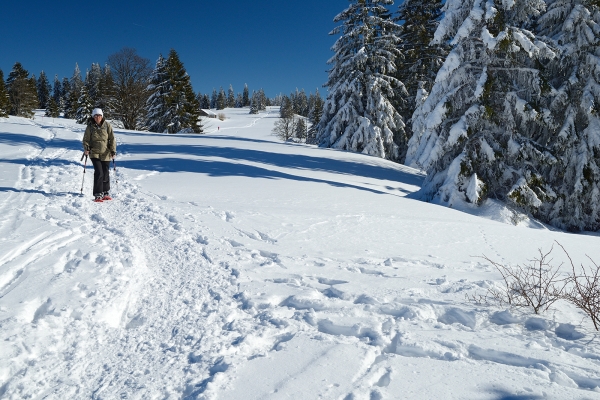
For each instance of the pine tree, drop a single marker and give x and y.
(43, 90)
(159, 88)
(246, 96)
(221, 99)
(93, 83)
(230, 97)
(173, 103)
(574, 76)
(205, 102)
(287, 108)
(4, 98)
(106, 96)
(261, 100)
(22, 92)
(239, 101)
(64, 103)
(75, 85)
(84, 106)
(52, 110)
(300, 103)
(254, 103)
(213, 99)
(483, 130)
(57, 90)
(358, 114)
(421, 60)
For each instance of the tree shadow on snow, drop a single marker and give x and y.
(33, 191)
(19, 139)
(374, 170)
(223, 169)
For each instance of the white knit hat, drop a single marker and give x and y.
(97, 111)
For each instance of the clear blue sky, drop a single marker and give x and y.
(274, 44)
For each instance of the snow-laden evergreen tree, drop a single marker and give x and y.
(182, 110)
(254, 103)
(286, 110)
(159, 88)
(230, 97)
(4, 98)
(43, 90)
(64, 102)
(213, 99)
(300, 103)
(205, 102)
(420, 59)
(239, 101)
(57, 90)
(221, 99)
(483, 130)
(84, 105)
(22, 92)
(574, 27)
(246, 96)
(75, 85)
(261, 100)
(53, 109)
(106, 97)
(93, 83)
(358, 115)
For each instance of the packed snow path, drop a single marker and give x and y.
(235, 267)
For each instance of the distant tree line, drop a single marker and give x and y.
(130, 92)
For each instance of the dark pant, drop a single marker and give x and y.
(101, 176)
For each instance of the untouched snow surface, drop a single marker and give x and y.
(234, 266)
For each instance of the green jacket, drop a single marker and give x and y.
(100, 140)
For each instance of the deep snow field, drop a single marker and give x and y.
(234, 266)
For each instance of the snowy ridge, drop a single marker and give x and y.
(235, 267)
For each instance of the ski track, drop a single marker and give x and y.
(171, 296)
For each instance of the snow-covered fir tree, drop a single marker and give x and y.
(57, 90)
(156, 105)
(75, 84)
(230, 97)
(65, 95)
(84, 105)
(358, 114)
(239, 101)
(182, 114)
(300, 103)
(261, 100)
(221, 99)
(286, 110)
(43, 90)
(22, 92)
(205, 102)
(246, 96)
(93, 81)
(482, 131)
(420, 59)
(52, 110)
(254, 103)
(213, 99)
(4, 98)
(315, 110)
(574, 77)
(106, 97)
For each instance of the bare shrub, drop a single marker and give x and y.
(537, 285)
(284, 128)
(585, 290)
(221, 116)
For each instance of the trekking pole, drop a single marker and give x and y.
(116, 178)
(84, 165)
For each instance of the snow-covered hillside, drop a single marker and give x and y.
(234, 266)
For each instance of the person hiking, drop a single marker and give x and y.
(100, 145)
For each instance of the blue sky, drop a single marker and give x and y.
(273, 44)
